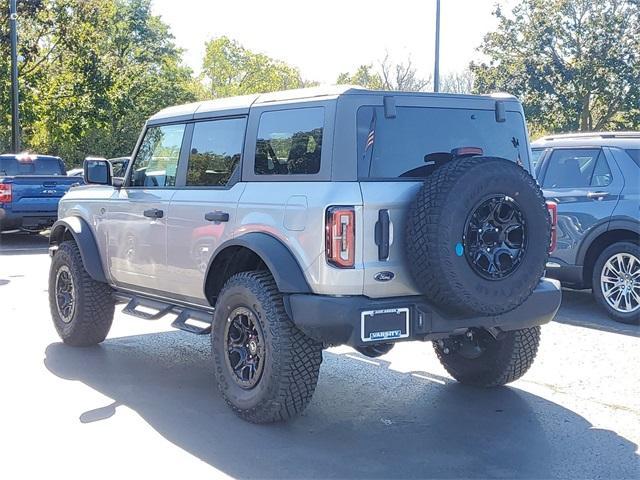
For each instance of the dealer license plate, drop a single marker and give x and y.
(383, 325)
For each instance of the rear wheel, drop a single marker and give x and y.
(616, 282)
(81, 308)
(267, 369)
(482, 360)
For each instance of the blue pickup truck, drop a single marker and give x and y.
(30, 188)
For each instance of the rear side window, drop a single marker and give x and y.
(290, 142)
(635, 155)
(156, 162)
(418, 138)
(215, 151)
(574, 168)
(30, 166)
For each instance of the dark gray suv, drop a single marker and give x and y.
(595, 180)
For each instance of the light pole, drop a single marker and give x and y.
(15, 115)
(436, 67)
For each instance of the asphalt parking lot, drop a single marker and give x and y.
(144, 403)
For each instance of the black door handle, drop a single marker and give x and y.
(216, 217)
(153, 213)
(382, 234)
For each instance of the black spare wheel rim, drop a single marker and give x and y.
(495, 239)
(244, 345)
(65, 294)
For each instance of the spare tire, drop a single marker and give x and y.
(478, 235)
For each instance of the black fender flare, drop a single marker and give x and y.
(276, 256)
(82, 234)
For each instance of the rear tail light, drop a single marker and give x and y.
(553, 214)
(5, 193)
(340, 236)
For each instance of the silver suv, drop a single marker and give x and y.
(288, 222)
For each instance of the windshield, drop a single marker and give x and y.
(417, 138)
(11, 166)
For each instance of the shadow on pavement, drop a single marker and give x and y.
(365, 420)
(23, 243)
(581, 310)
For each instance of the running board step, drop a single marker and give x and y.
(203, 319)
(189, 319)
(161, 308)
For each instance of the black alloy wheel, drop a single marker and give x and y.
(244, 344)
(495, 237)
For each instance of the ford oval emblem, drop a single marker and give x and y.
(384, 276)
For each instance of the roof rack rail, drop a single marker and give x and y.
(593, 135)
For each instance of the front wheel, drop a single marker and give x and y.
(82, 308)
(484, 360)
(267, 369)
(616, 282)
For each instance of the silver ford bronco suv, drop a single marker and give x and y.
(284, 223)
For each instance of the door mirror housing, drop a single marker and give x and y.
(97, 171)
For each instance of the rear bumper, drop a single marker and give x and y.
(31, 221)
(337, 320)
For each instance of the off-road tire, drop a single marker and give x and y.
(94, 302)
(435, 236)
(631, 318)
(505, 361)
(292, 360)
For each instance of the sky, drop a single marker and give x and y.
(327, 37)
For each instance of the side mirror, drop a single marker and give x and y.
(97, 171)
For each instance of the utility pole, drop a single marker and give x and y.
(436, 67)
(15, 114)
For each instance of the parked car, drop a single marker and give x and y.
(30, 188)
(595, 180)
(284, 223)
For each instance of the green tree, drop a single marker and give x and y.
(93, 71)
(230, 69)
(364, 76)
(387, 75)
(575, 64)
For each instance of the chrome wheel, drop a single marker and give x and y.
(620, 282)
(65, 294)
(245, 350)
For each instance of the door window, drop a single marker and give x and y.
(156, 162)
(215, 151)
(572, 168)
(289, 142)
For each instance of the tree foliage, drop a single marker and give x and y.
(387, 75)
(575, 64)
(92, 72)
(230, 69)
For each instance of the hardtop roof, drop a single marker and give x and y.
(244, 102)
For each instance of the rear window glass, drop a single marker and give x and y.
(635, 155)
(417, 138)
(38, 166)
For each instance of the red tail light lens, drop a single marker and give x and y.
(5, 193)
(340, 236)
(553, 213)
